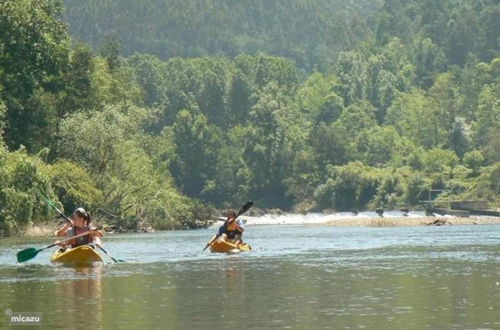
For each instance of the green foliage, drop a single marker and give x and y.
(402, 96)
(21, 179)
(34, 43)
(73, 186)
(331, 144)
(357, 117)
(34, 48)
(310, 32)
(375, 146)
(278, 131)
(375, 75)
(348, 187)
(111, 52)
(135, 194)
(80, 89)
(439, 161)
(487, 124)
(485, 187)
(232, 179)
(3, 110)
(473, 160)
(458, 28)
(318, 98)
(195, 139)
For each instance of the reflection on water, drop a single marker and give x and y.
(66, 297)
(297, 277)
(79, 301)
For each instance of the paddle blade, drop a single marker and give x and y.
(116, 260)
(245, 207)
(27, 254)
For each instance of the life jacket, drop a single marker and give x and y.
(80, 240)
(232, 226)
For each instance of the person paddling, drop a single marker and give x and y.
(232, 229)
(79, 223)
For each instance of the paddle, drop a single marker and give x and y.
(67, 219)
(109, 255)
(243, 209)
(30, 253)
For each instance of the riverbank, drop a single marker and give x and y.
(47, 230)
(346, 219)
(39, 230)
(403, 221)
(365, 219)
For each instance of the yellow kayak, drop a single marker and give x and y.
(81, 255)
(228, 247)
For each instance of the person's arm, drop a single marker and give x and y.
(63, 244)
(62, 231)
(95, 232)
(239, 226)
(97, 240)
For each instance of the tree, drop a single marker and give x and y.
(196, 142)
(318, 98)
(428, 59)
(473, 160)
(348, 187)
(92, 139)
(22, 177)
(357, 117)
(3, 110)
(34, 50)
(353, 78)
(74, 186)
(439, 161)
(306, 176)
(414, 117)
(232, 180)
(110, 50)
(278, 132)
(376, 145)
(149, 73)
(80, 90)
(211, 98)
(331, 144)
(487, 116)
(458, 140)
(389, 73)
(239, 97)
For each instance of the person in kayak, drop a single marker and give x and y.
(80, 223)
(232, 229)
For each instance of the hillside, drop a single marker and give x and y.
(310, 32)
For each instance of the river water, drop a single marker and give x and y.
(299, 277)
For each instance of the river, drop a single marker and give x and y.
(299, 277)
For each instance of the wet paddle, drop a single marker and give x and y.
(30, 253)
(109, 255)
(243, 209)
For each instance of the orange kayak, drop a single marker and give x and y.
(228, 247)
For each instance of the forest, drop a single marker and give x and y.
(172, 109)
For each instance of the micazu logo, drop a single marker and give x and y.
(23, 318)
